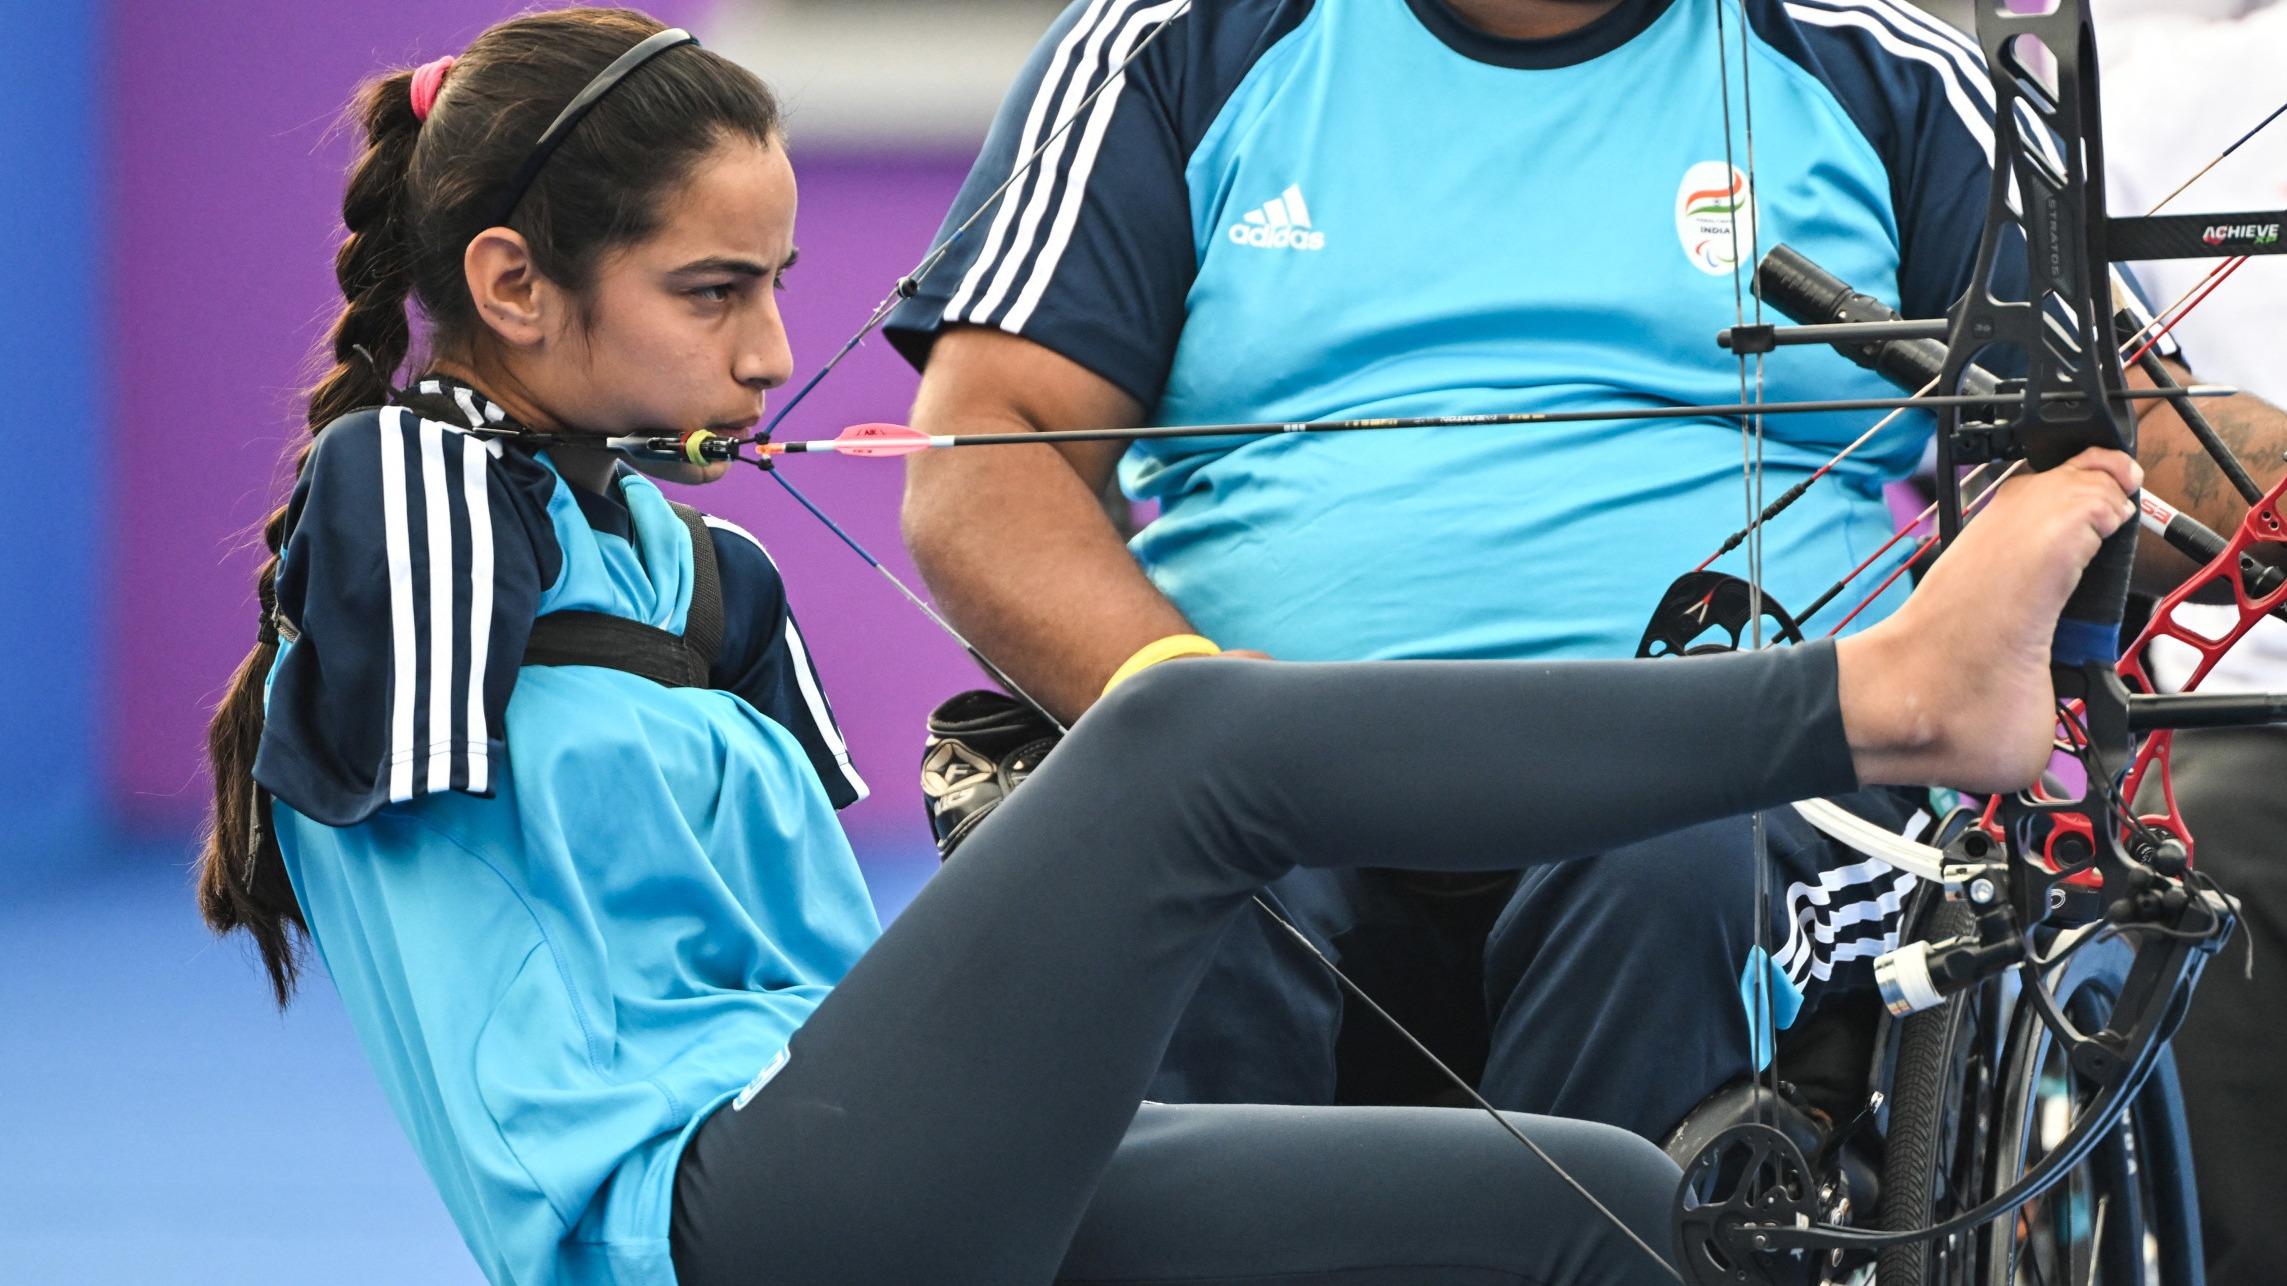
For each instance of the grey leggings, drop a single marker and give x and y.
(964, 1107)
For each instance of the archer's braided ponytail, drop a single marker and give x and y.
(241, 878)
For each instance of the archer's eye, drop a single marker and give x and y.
(716, 293)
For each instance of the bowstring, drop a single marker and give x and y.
(1764, 875)
(1758, 1003)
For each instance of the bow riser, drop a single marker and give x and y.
(2057, 325)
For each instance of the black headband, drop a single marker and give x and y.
(550, 138)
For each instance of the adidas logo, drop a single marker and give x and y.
(1283, 224)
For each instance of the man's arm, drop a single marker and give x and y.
(1013, 541)
(2179, 470)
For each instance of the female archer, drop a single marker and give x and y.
(539, 763)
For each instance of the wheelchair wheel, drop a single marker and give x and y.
(1940, 1117)
(2129, 1214)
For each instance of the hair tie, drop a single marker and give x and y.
(428, 78)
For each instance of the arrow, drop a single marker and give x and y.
(879, 440)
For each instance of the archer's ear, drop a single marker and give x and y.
(512, 299)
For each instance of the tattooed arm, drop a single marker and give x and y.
(2179, 470)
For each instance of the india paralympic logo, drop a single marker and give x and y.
(1715, 216)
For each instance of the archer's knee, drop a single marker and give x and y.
(1184, 743)
(1207, 716)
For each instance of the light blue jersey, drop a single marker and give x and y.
(1289, 211)
(569, 910)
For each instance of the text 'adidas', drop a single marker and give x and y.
(1282, 224)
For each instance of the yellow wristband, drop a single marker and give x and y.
(1158, 650)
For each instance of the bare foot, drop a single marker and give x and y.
(1954, 689)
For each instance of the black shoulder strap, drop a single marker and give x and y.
(703, 624)
(616, 643)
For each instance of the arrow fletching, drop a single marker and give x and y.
(870, 440)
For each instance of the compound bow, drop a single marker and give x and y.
(2053, 859)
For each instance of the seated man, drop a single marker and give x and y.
(1285, 210)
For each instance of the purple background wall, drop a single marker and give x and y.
(226, 175)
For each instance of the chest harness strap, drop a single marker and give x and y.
(683, 660)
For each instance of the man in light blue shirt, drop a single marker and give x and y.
(1299, 209)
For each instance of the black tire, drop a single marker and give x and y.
(1939, 1106)
(2139, 1176)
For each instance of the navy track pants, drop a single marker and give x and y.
(964, 1107)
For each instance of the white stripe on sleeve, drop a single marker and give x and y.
(1035, 127)
(1949, 72)
(1036, 205)
(1076, 190)
(476, 491)
(401, 644)
(1921, 31)
(1908, 19)
(821, 717)
(438, 514)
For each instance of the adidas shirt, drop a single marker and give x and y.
(568, 910)
(1287, 210)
